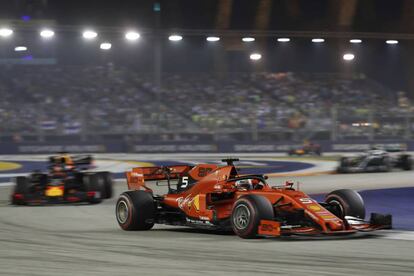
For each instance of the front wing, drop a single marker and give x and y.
(276, 229)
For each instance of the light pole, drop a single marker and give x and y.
(157, 47)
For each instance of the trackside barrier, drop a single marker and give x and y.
(188, 147)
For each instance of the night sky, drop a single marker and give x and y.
(371, 15)
(374, 58)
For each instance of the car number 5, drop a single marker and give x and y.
(184, 182)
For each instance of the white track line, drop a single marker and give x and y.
(400, 235)
(6, 184)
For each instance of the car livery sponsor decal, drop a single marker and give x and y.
(196, 202)
(326, 215)
(135, 174)
(314, 207)
(54, 191)
(188, 201)
(306, 200)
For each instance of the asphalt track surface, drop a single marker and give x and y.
(86, 240)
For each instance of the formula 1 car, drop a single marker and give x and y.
(219, 198)
(375, 161)
(306, 149)
(67, 181)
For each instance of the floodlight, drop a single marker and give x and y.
(318, 40)
(391, 41)
(348, 56)
(283, 39)
(47, 33)
(213, 38)
(105, 46)
(248, 39)
(89, 34)
(132, 36)
(5, 32)
(255, 56)
(355, 41)
(20, 48)
(175, 37)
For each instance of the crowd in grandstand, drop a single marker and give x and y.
(108, 99)
(57, 99)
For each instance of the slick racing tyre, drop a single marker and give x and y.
(343, 165)
(387, 164)
(21, 188)
(247, 213)
(93, 184)
(346, 203)
(106, 179)
(135, 210)
(406, 162)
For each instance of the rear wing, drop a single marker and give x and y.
(82, 160)
(76, 159)
(138, 176)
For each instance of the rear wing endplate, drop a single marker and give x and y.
(138, 176)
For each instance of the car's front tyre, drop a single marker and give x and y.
(20, 191)
(347, 203)
(246, 215)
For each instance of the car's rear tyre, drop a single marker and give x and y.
(107, 183)
(340, 170)
(348, 203)
(343, 163)
(387, 164)
(246, 215)
(93, 184)
(135, 210)
(406, 162)
(21, 188)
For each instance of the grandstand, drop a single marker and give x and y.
(204, 76)
(112, 102)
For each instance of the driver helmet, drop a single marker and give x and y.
(244, 184)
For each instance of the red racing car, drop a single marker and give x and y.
(219, 198)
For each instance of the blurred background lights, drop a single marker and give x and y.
(391, 41)
(348, 56)
(283, 39)
(131, 36)
(5, 32)
(318, 40)
(255, 56)
(248, 39)
(175, 37)
(106, 46)
(20, 49)
(89, 34)
(355, 41)
(213, 38)
(47, 33)
(26, 17)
